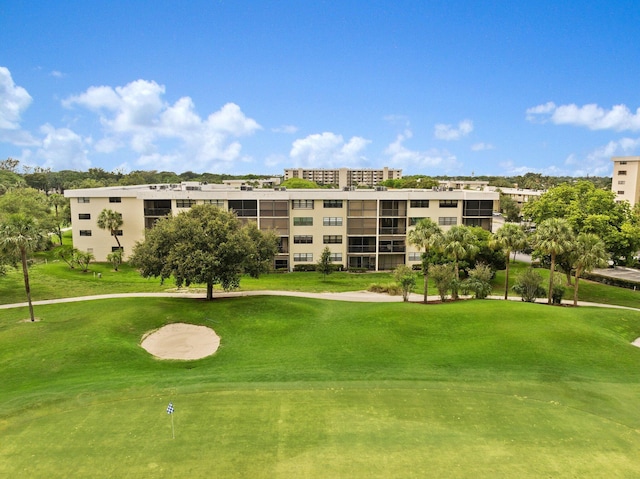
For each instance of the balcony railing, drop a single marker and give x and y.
(362, 249)
(393, 230)
(392, 249)
(157, 211)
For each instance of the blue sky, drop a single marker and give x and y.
(437, 88)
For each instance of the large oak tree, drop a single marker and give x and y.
(205, 244)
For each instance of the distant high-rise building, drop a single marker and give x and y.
(344, 177)
(626, 178)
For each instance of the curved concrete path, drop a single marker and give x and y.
(354, 296)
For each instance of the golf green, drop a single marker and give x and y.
(311, 388)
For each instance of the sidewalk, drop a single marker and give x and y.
(353, 296)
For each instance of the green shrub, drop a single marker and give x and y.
(529, 285)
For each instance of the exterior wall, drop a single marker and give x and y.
(519, 195)
(626, 178)
(374, 234)
(100, 242)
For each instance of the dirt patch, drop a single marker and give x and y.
(181, 341)
(28, 320)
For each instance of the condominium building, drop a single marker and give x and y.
(363, 228)
(344, 177)
(626, 178)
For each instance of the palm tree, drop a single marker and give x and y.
(112, 221)
(590, 252)
(459, 243)
(20, 235)
(425, 236)
(60, 206)
(553, 236)
(509, 238)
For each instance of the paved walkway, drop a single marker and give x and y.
(354, 296)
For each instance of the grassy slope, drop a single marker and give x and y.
(331, 389)
(55, 280)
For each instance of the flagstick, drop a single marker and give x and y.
(173, 435)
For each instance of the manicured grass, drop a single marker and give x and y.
(51, 278)
(309, 388)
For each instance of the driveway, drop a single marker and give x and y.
(619, 272)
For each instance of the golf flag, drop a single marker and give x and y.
(170, 408)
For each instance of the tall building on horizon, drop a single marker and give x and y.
(625, 182)
(344, 177)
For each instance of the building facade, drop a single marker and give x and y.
(363, 228)
(626, 178)
(344, 177)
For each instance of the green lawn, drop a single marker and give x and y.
(310, 388)
(53, 279)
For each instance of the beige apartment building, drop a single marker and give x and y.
(344, 177)
(363, 228)
(626, 178)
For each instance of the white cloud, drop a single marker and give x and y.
(173, 136)
(62, 148)
(540, 110)
(401, 156)
(57, 74)
(289, 129)
(450, 133)
(598, 161)
(591, 116)
(14, 100)
(326, 150)
(482, 147)
(510, 169)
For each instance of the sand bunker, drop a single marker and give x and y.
(181, 341)
(636, 343)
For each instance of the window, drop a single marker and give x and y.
(117, 248)
(621, 182)
(415, 256)
(274, 208)
(419, 203)
(185, 203)
(333, 203)
(84, 216)
(83, 199)
(115, 199)
(244, 208)
(336, 256)
(622, 172)
(303, 239)
(393, 208)
(362, 208)
(448, 203)
(118, 233)
(332, 239)
(218, 203)
(477, 208)
(85, 232)
(303, 257)
(332, 221)
(623, 162)
(414, 221)
(362, 245)
(621, 192)
(302, 204)
(302, 221)
(447, 220)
